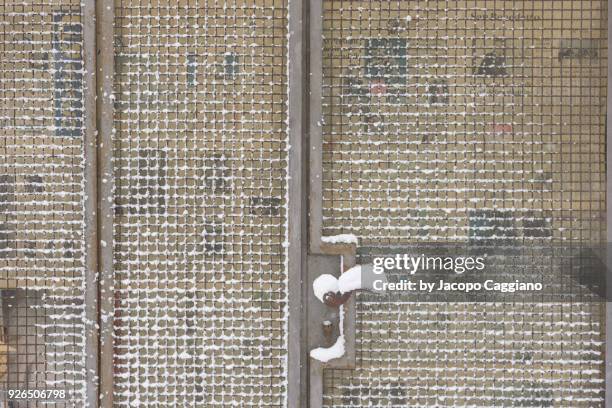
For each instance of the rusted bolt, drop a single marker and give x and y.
(336, 299)
(328, 328)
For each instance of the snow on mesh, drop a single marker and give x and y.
(41, 197)
(465, 117)
(467, 122)
(200, 159)
(472, 354)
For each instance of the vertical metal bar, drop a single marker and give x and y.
(315, 126)
(315, 384)
(297, 224)
(304, 384)
(90, 203)
(104, 82)
(315, 204)
(315, 171)
(608, 321)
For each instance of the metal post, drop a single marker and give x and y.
(90, 204)
(297, 223)
(104, 82)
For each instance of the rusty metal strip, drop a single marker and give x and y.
(90, 203)
(104, 84)
(297, 222)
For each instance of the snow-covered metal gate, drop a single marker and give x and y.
(473, 121)
(200, 161)
(188, 104)
(476, 122)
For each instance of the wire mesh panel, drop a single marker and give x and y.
(470, 122)
(42, 336)
(200, 161)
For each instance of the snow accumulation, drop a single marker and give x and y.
(325, 354)
(350, 280)
(341, 239)
(324, 284)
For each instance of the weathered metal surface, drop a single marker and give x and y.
(90, 144)
(315, 129)
(320, 313)
(105, 119)
(297, 374)
(316, 248)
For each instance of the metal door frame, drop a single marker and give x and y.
(312, 137)
(297, 219)
(304, 192)
(90, 201)
(98, 55)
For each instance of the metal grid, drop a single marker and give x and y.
(440, 115)
(200, 220)
(468, 122)
(471, 354)
(42, 332)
